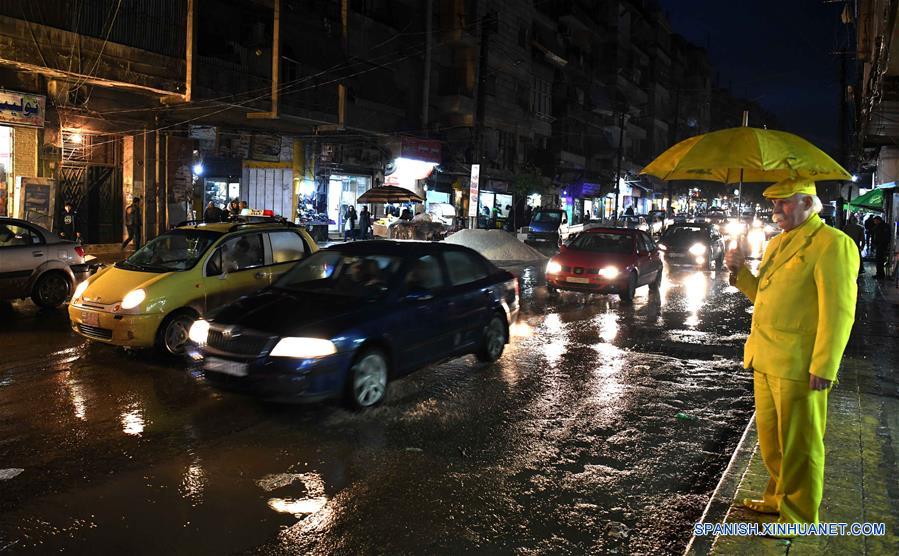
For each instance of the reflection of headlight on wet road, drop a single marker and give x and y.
(552, 267)
(734, 228)
(521, 330)
(697, 249)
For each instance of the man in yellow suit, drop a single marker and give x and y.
(804, 297)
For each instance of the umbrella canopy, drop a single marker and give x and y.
(745, 154)
(389, 194)
(872, 200)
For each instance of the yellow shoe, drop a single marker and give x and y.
(759, 506)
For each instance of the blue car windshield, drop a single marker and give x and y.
(545, 216)
(171, 252)
(603, 243)
(364, 276)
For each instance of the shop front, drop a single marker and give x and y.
(343, 190)
(495, 205)
(220, 179)
(21, 117)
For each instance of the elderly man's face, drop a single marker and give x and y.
(789, 213)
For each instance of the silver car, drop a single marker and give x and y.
(35, 262)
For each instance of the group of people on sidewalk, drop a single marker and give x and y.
(350, 216)
(874, 237)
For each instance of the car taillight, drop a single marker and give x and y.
(80, 250)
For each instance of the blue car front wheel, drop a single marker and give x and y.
(495, 338)
(367, 386)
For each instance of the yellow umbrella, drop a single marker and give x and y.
(745, 154)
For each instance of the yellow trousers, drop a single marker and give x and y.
(791, 418)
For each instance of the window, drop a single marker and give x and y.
(424, 274)
(464, 268)
(541, 97)
(12, 235)
(242, 252)
(286, 247)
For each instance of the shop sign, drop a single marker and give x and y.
(426, 150)
(22, 108)
(473, 190)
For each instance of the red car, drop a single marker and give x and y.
(606, 260)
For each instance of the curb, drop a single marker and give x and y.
(723, 496)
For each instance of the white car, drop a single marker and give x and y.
(35, 262)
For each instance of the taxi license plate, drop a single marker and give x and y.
(90, 319)
(577, 280)
(224, 366)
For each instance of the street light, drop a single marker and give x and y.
(198, 169)
(854, 178)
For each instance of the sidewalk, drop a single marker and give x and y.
(862, 447)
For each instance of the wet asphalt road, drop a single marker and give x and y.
(570, 444)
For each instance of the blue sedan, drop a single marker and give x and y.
(350, 318)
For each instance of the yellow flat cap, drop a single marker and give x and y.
(789, 187)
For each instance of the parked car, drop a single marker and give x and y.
(633, 222)
(660, 216)
(36, 263)
(350, 318)
(152, 297)
(655, 221)
(606, 260)
(693, 244)
(548, 226)
(445, 213)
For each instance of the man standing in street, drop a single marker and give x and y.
(880, 242)
(133, 222)
(857, 234)
(364, 222)
(69, 225)
(212, 213)
(804, 297)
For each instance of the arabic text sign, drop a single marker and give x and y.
(22, 108)
(473, 190)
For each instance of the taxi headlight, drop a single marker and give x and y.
(697, 249)
(199, 331)
(609, 272)
(79, 291)
(303, 348)
(133, 298)
(552, 267)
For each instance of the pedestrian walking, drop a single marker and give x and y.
(69, 225)
(804, 297)
(869, 232)
(880, 242)
(350, 218)
(212, 213)
(857, 234)
(364, 222)
(133, 222)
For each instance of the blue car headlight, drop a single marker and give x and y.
(303, 348)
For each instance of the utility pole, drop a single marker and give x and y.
(620, 156)
(487, 24)
(344, 42)
(674, 135)
(426, 85)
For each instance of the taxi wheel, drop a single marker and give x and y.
(51, 290)
(172, 336)
(367, 386)
(495, 338)
(630, 290)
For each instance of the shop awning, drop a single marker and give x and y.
(872, 200)
(389, 194)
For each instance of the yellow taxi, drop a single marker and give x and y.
(152, 297)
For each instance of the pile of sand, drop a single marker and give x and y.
(496, 245)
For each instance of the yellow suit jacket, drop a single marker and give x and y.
(804, 298)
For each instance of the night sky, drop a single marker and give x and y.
(775, 52)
